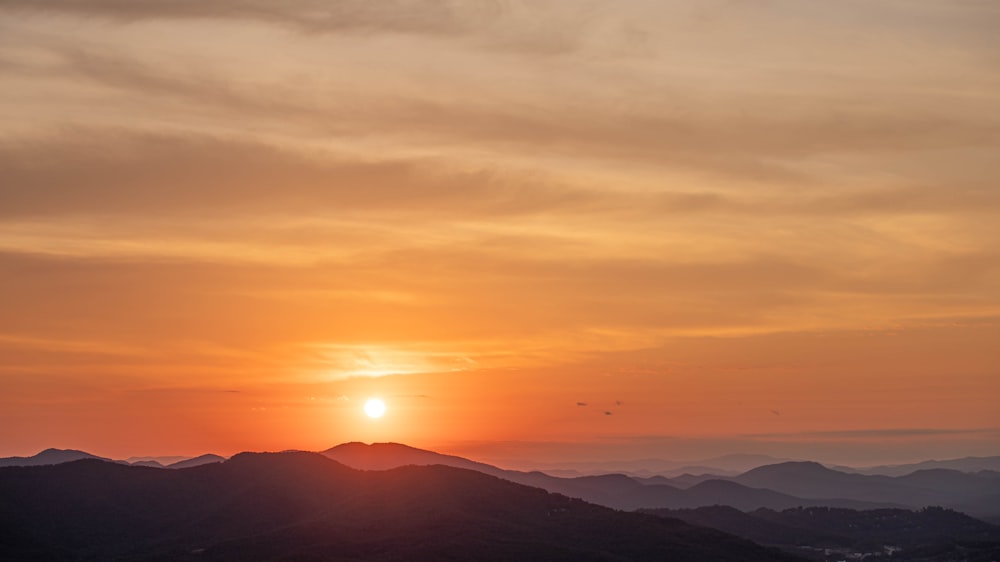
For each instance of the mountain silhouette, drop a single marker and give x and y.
(965, 464)
(927, 534)
(617, 491)
(725, 492)
(149, 463)
(383, 456)
(725, 465)
(196, 461)
(304, 506)
(776, 486)
(975, 494)
(49, 456)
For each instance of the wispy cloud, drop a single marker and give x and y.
(497, 25)
(878, 434)
(712, 211)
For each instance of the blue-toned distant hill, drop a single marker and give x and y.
(59, 456)
(304, 506)
(776, 486)
(149, 463)
(977, 494)
(966, 464)
(197, 461)
(611, 490)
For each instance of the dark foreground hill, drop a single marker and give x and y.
(926, 534)
(305, 507)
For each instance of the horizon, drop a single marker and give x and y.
(595, 465)
(550, 232)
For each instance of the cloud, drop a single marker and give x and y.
(106, 174)
(749, 139)
(876, 434)
(416, 16)
(500, 25)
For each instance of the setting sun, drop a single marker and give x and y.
(374, 408)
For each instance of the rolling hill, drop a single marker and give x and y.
(612, 490)
(304, 506)
(977, 494)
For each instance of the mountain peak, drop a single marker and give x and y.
(197, 461)
(362, 446)
(278, 506)
(50, 456)
(385, 456)
(791, 467)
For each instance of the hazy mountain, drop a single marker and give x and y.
(725, 465)
(611, 490)
(59, 456)
(740, 462)
(928, 534)
(966, 464)
(383, 456)
(150, 463)
(977, 495)
(621, 492)
(165, 460)
(304, 506)
(712, 471)
(49, 456)
(687, 480)
(197, 461)
(725, 492)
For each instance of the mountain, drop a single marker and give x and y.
(383, 456)
(59, 456)
(165, 460)
(966, 464)
(975, 494)
(617, 491)
(49, 456)
(725, 492)
(927, 534)
(149, 463)
(197, 461)
(740, 462)
(725, 465)
(304, 506)
(811, 479)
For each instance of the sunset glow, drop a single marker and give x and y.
(538, 230)
(374, 408)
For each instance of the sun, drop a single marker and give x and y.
(374, 408)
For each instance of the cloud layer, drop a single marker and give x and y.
(659, 200)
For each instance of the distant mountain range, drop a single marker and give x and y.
(305, 506)
(967, 464)
(927, 534)
(727, 465)
(59, 456)
(776, 486)
(49, 456)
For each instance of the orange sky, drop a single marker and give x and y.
(761, 226)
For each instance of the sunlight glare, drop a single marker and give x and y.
(374, 408)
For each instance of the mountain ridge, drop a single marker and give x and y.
(776, 486)
(301, 505)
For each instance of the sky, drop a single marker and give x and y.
(539, 230)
